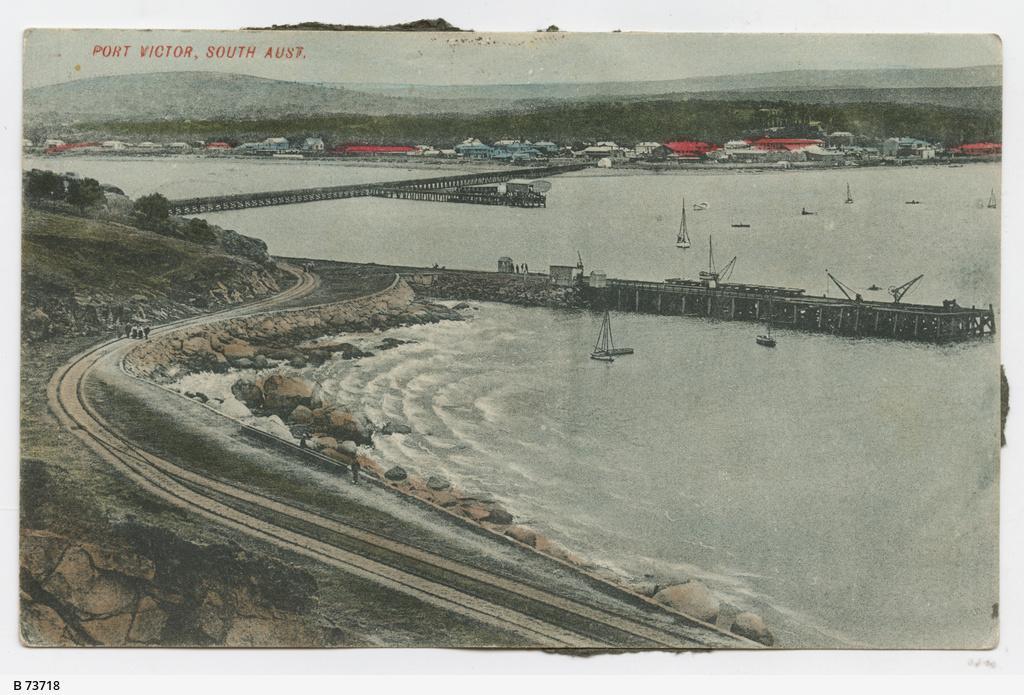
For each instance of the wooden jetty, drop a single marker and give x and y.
(446, 189)
(792, 308)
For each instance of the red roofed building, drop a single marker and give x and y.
(689, 148)
(785, 144)
(978, 148)
(218, 146)
(58, 149)
(372, 150)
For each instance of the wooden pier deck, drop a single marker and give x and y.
(791, 308)
(447, 189)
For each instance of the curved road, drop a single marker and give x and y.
(540, 616)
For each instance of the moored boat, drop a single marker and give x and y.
(683, 238)
(604, 348)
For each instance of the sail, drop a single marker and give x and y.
(604, 335)
(683, 238)
(992, 199)
(849, 196)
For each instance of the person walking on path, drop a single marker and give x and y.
(145, 332)
(355, 471)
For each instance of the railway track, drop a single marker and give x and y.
(539, 616)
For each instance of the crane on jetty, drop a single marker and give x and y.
(844, 288)
(712, 276)
(898, 292)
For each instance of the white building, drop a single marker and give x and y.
(114, 145)
(313, 145)
(646, 149)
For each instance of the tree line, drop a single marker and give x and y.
(626, 121)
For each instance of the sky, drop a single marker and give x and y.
(54, 55)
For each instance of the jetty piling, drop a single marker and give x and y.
(792, 308)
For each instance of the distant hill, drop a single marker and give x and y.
(205, 95)
(797, 80)
(988, 99)
(220, 96)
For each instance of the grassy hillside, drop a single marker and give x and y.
(82, 276)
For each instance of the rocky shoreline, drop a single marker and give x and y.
(268, 350)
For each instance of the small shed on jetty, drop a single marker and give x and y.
(563, 275)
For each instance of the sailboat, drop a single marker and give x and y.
(992, 200)
(682, 238)
(766, 339)
(849, 196)
(604, 348)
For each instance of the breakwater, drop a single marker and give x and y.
(783, 307)
(242, 341)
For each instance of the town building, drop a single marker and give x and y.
(215, 146)
(977, 149)
(908, 148)
(373, 150)
(71, 147)
(786, 144)
(313, 145)
(646, 149)
(602, 150)
(473, 150)
(689, 149)
(273, 145)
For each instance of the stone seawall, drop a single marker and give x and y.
(524, 290)
(250, 341)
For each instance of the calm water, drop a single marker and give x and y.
(847, 489)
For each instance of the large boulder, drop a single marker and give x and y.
(325, 442)
(237, 350)
(342, 425)
(301, 415)
(248, 392)
(283, 393)
(499, 516)
(397, 473)
(436, 482)
(395, 428)
(751, 626)
(692, 598)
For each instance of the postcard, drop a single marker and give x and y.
(553, 340)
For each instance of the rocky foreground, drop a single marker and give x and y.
(175, 593)
(268, 349)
